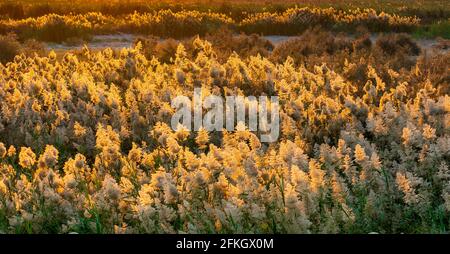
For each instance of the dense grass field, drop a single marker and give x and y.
(26, 8)
(429, 11)
(86, 143)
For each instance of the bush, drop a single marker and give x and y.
(164, 50)
(314, 41)
(10, 47)
(182, 24)
(225, 42)
(393, 44)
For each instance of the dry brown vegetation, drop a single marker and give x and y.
(11, 47)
